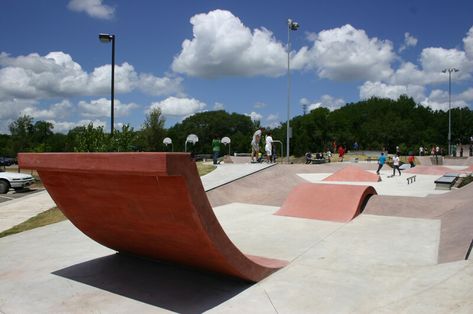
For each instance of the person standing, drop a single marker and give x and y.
(268, 147)
(255, 145)
(341, 153)
(381, 162)
(421, 151)
(411, 160)
(215, 149)
(396, 165)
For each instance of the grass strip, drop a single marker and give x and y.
(45, 218)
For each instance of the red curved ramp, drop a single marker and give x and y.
(353, 174)
(333, 202)
(146, 204)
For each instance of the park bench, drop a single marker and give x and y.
(446, 181)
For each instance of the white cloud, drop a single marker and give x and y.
(438, 100)
(434, 60)
(347, 53)
(223, 46)
(60, 110)
(56, 75)
(94, 8)
(173, 106)
(158, 86)
(468, 44)
(325, 101)
(219, 106)
(409, 41)
(272, 121)
(378, 89)
(101, 108)
(254, 116)
(65, 126)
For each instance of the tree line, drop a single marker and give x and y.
(374, 124)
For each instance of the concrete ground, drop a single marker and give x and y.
(384, 261)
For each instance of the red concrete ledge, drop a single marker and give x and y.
(146, 204)
(333, 202)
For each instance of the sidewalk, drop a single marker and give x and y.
(17, 211)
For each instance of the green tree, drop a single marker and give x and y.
(91, 139)
(151, 136)
(21, 130)
(124, 140)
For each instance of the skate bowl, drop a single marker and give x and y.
(151, 205)
(332, 202)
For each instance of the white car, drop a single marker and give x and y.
(16, 181)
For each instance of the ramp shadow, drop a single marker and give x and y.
(170, 287)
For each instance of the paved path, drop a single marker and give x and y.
(18, 210)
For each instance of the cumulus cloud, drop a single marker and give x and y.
(272, 121)
(409, 41)
(65, 126)
(347, 53)
(56, 75)
(325, 101)
(101, 108)
(378, 89)
(174, 106)
(254, 116)
(223, 46)
(59, 110)
(468, 44)
(438, 100)
(93, 8)
(158, 86)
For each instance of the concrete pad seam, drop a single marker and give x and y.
(270, 301)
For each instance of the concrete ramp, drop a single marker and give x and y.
(146, 204)
(353, 174)
(333, 202)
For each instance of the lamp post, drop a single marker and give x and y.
(106, 38)
(291, 26)
(449, 70)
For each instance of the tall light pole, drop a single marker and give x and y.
(450, 70)
(106, 38)
(291, 26)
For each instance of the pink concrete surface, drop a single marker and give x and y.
(353, 174)
(432, 170)
(146, 204)
(333, 202)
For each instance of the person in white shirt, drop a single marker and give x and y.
(268, 147)
(396, 165)
(255, 145)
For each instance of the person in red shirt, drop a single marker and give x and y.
(341, 153)
(410, 160)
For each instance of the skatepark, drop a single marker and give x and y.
(337, 238)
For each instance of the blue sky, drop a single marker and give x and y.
(190, 56)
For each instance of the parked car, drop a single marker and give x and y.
(7, 161)
(13, 180)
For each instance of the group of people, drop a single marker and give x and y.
(256, 156)
(396, 162)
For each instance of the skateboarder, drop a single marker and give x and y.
(396, 164)
(381, 162)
